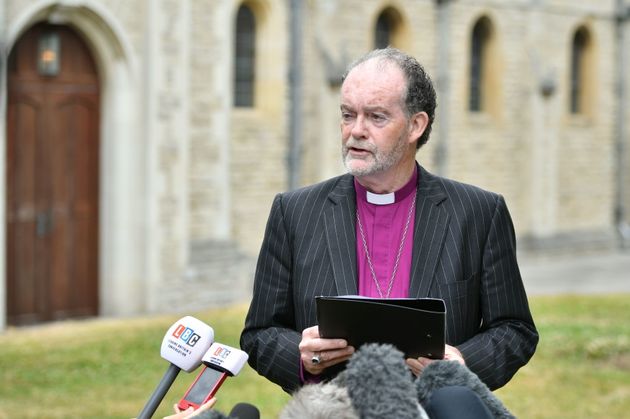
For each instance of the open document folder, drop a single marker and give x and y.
(414, 325)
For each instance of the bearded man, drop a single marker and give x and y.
(388, 228)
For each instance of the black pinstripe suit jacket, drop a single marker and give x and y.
(463, 251)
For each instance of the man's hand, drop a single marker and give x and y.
(329, 351)
(451, 353)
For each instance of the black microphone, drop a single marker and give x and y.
(441, 374)
(183, 346)
(244, 411)
(239, 411)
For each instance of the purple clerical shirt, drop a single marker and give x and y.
(383, 226)
(383, 218)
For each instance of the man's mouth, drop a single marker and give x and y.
(357, 150)
(360, 153)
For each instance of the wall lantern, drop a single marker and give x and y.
(547, 85)
(48, 54)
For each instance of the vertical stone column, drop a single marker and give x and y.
(210, 96)
(622, 149)
(167, 72)
(3, 179)
(544, 130)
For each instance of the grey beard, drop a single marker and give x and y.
(380, 161)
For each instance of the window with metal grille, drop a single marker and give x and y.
(245, 57)
(479, 41)
(383, 31)
(578, 63)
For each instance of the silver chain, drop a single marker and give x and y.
(400, 249)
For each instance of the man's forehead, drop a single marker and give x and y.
(379, 68)
(374, 81)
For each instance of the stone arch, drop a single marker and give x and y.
(485, 67)
(392, 16)
(268, 51)
(244, 60)
(582, 71)
(121, 246)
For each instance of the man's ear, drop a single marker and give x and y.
(417, 124)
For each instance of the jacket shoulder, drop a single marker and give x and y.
(459, 194)
(456, 187)
(338, 185)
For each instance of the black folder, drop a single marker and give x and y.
(414, 325)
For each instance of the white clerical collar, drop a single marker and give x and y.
(389, 198)
(381, 199)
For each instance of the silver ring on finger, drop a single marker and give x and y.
(315, 359)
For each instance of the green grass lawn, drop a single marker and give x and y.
(108, 368)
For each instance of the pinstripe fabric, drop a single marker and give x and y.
(464, 252)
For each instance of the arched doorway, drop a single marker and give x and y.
(52, 177)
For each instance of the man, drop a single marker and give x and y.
(386, 229)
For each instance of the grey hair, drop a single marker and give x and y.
(419, 94)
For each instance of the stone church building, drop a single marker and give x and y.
(142, 141)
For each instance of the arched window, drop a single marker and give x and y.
(390, 29)
(479, 57)
(383, 30)
(244, 57)
(580, 53)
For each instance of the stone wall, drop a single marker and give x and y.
(210, 171)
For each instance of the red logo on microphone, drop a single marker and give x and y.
(222, 352)
(186, 334)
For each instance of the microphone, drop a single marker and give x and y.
(379, 383)
(220, 361)
(244, 411)
(441, 374)
(375, 384)
(183, 346)
(239, 411)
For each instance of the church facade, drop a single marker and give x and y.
(143, 141)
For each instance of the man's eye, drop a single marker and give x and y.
(346, 116)
(378, 117)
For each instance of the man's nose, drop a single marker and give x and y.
(359, 130)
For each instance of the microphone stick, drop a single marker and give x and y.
(160, 391)
(183, 346)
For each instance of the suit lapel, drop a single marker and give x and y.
(430, 227)
(341, 236)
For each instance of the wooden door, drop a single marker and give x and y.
(52, 180)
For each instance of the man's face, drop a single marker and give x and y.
(374, 128)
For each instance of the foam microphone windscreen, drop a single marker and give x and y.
(244, 411)
(380, 384)
(440, 374)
